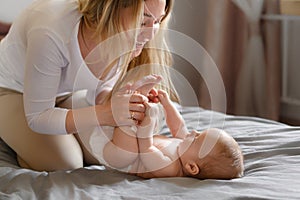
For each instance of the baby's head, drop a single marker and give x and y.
(211, 154)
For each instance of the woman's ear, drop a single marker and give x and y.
(192, 168)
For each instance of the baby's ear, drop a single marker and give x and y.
(192, 168)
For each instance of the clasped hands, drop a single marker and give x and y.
(128, 103)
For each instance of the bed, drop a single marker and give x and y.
(272, 169)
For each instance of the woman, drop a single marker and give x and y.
(49, 55)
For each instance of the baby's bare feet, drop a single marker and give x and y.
(145, 84)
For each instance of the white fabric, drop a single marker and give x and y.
(41, 57)
(251, 82)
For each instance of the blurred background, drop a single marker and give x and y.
(255, 45)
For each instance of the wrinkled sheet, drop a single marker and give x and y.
(272, 169)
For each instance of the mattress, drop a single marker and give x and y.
(272, 169)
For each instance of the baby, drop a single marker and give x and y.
(211, 154)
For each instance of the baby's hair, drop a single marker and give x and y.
(211, 138)
(223, 161)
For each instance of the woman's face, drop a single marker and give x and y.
(154, 11)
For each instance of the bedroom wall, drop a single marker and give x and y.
(293, 60)
(189, 18)
(291, 93)
(9, 9)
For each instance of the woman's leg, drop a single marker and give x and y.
(36, 151)
(78, 100)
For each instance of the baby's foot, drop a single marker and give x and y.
(145, 84)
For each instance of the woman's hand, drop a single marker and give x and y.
(126, 107)
(128, 103)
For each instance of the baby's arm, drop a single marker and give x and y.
(122, 150)
(174, 120)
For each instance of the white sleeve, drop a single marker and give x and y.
(44, 62)
(104, 88)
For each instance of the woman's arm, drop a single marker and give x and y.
(43, 75)
(43, 71)
(44, 63)
(81, 119)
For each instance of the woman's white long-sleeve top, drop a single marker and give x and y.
(41, 58)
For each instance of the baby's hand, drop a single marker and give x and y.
(153, 96)
(163, 97)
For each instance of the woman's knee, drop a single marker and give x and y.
(62, 153)
(49, 153)
(36, 151)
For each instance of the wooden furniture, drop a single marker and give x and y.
(290, 7)
(4, 28)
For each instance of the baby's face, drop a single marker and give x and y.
(199, 144)
(190, 146)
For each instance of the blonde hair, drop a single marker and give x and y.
(104, 17)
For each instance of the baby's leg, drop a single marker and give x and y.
(122, 150)
(146, 129)
(174, 120)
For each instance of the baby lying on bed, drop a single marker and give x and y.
(211, 154)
